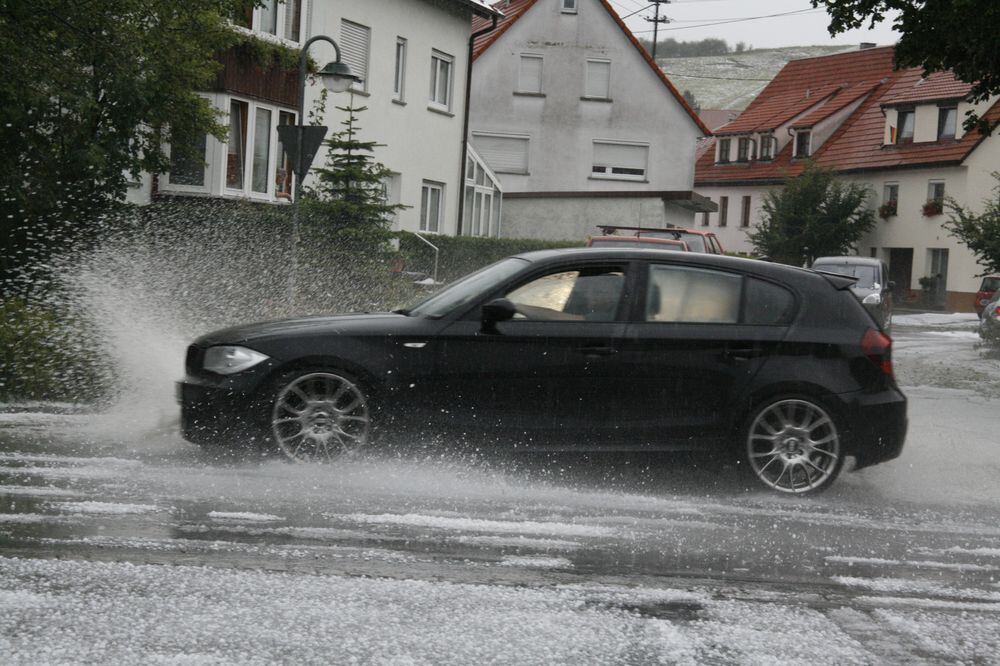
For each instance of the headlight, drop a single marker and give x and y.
(872, 299)
(230, 359)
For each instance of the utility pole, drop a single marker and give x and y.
(657, 21)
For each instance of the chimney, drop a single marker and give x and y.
(867, 45)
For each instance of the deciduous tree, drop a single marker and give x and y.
(813, 215)
(981, 233)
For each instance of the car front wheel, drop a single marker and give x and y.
(319, 416)
(793, 446)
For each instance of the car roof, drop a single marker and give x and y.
(757, 266)
(861, 261)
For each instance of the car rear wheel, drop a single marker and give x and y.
(793, 446)
(319, 416)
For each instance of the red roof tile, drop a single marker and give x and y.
(857, 144)
(515, 9)
(914, 87)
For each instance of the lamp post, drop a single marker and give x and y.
(336, 77)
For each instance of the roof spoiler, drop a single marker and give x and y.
(839, 281)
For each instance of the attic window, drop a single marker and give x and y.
(743, 150)
(947, 120)
(723, 151)
(569, 6)
(802, 141)
(766, 146)
(904, 126)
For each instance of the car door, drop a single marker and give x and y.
(537, 376)
(698, 338)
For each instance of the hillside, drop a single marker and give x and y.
(732, 81)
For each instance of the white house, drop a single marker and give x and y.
(578, 123)
(413, 59)
(897, 133)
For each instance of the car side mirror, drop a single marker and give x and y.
(496, 311)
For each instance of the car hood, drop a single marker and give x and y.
(349, 324)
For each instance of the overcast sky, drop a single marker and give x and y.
(805, 27)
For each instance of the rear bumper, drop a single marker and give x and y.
(879, 424)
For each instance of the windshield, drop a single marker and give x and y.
(867, 275)
(990, 284)
(466, 289)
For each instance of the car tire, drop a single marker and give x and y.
(793, 445)
(318, 415)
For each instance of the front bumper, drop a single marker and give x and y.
(879, 425)
(224, 411)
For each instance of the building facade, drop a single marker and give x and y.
(578, 123)
(412, 58)
(896, 133)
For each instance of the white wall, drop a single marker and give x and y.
(561, 127)
(419, 143)
(732, 236)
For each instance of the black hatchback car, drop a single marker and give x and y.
(582, 350)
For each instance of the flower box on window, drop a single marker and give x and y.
(933, 207)
(887, 210)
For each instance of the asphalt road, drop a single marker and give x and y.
(121, 543)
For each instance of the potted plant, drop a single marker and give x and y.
(887, 210)
(933, 207)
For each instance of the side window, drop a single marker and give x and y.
(767, 304)
(585, 294)
(692, 295)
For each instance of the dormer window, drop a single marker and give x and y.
(766, 146)
(947, 122)
(743, 150)
(802, 143)
(723, 151)
(904, 126)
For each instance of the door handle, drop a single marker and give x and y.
(741, 353)
(593, 351)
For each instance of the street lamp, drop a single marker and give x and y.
(302, 141)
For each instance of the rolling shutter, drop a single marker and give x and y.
(621, 156)
(530, 78)
(354, 41)
(598, 79)
(503, 154)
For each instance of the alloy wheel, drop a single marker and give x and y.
(320, 416)
(793, 446)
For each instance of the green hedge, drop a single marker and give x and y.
(460, 255)
(47, 357)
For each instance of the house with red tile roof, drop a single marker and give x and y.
(578, 123)
(896, 132)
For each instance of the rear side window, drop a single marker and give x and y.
(767, 304)
(990, 284)
(692, 295)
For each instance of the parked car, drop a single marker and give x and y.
(873, 287)
(697, 240)
(989, 320)
(648, 242)
(583, 349)
(987, 290)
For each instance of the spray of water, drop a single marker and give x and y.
(159, 277)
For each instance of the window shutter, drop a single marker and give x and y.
(503, 154)
(598, 79)
(530, 79)
(354, 39)
(620, 155)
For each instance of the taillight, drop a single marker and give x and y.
(877, 346)
(996, 312)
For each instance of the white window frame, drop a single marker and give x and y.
(399, 72)
(931, 184)
(348, 57)
(425, 224)
(568, 6)
(206, 185)
(586, 74)
(436, 58)
(795, 152)
(608, 174)
(488, 223)
(886, 187)
(246, 191)
(258, 17)
(520, 73)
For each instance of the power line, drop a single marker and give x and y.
(739, 20)
(656, 21)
